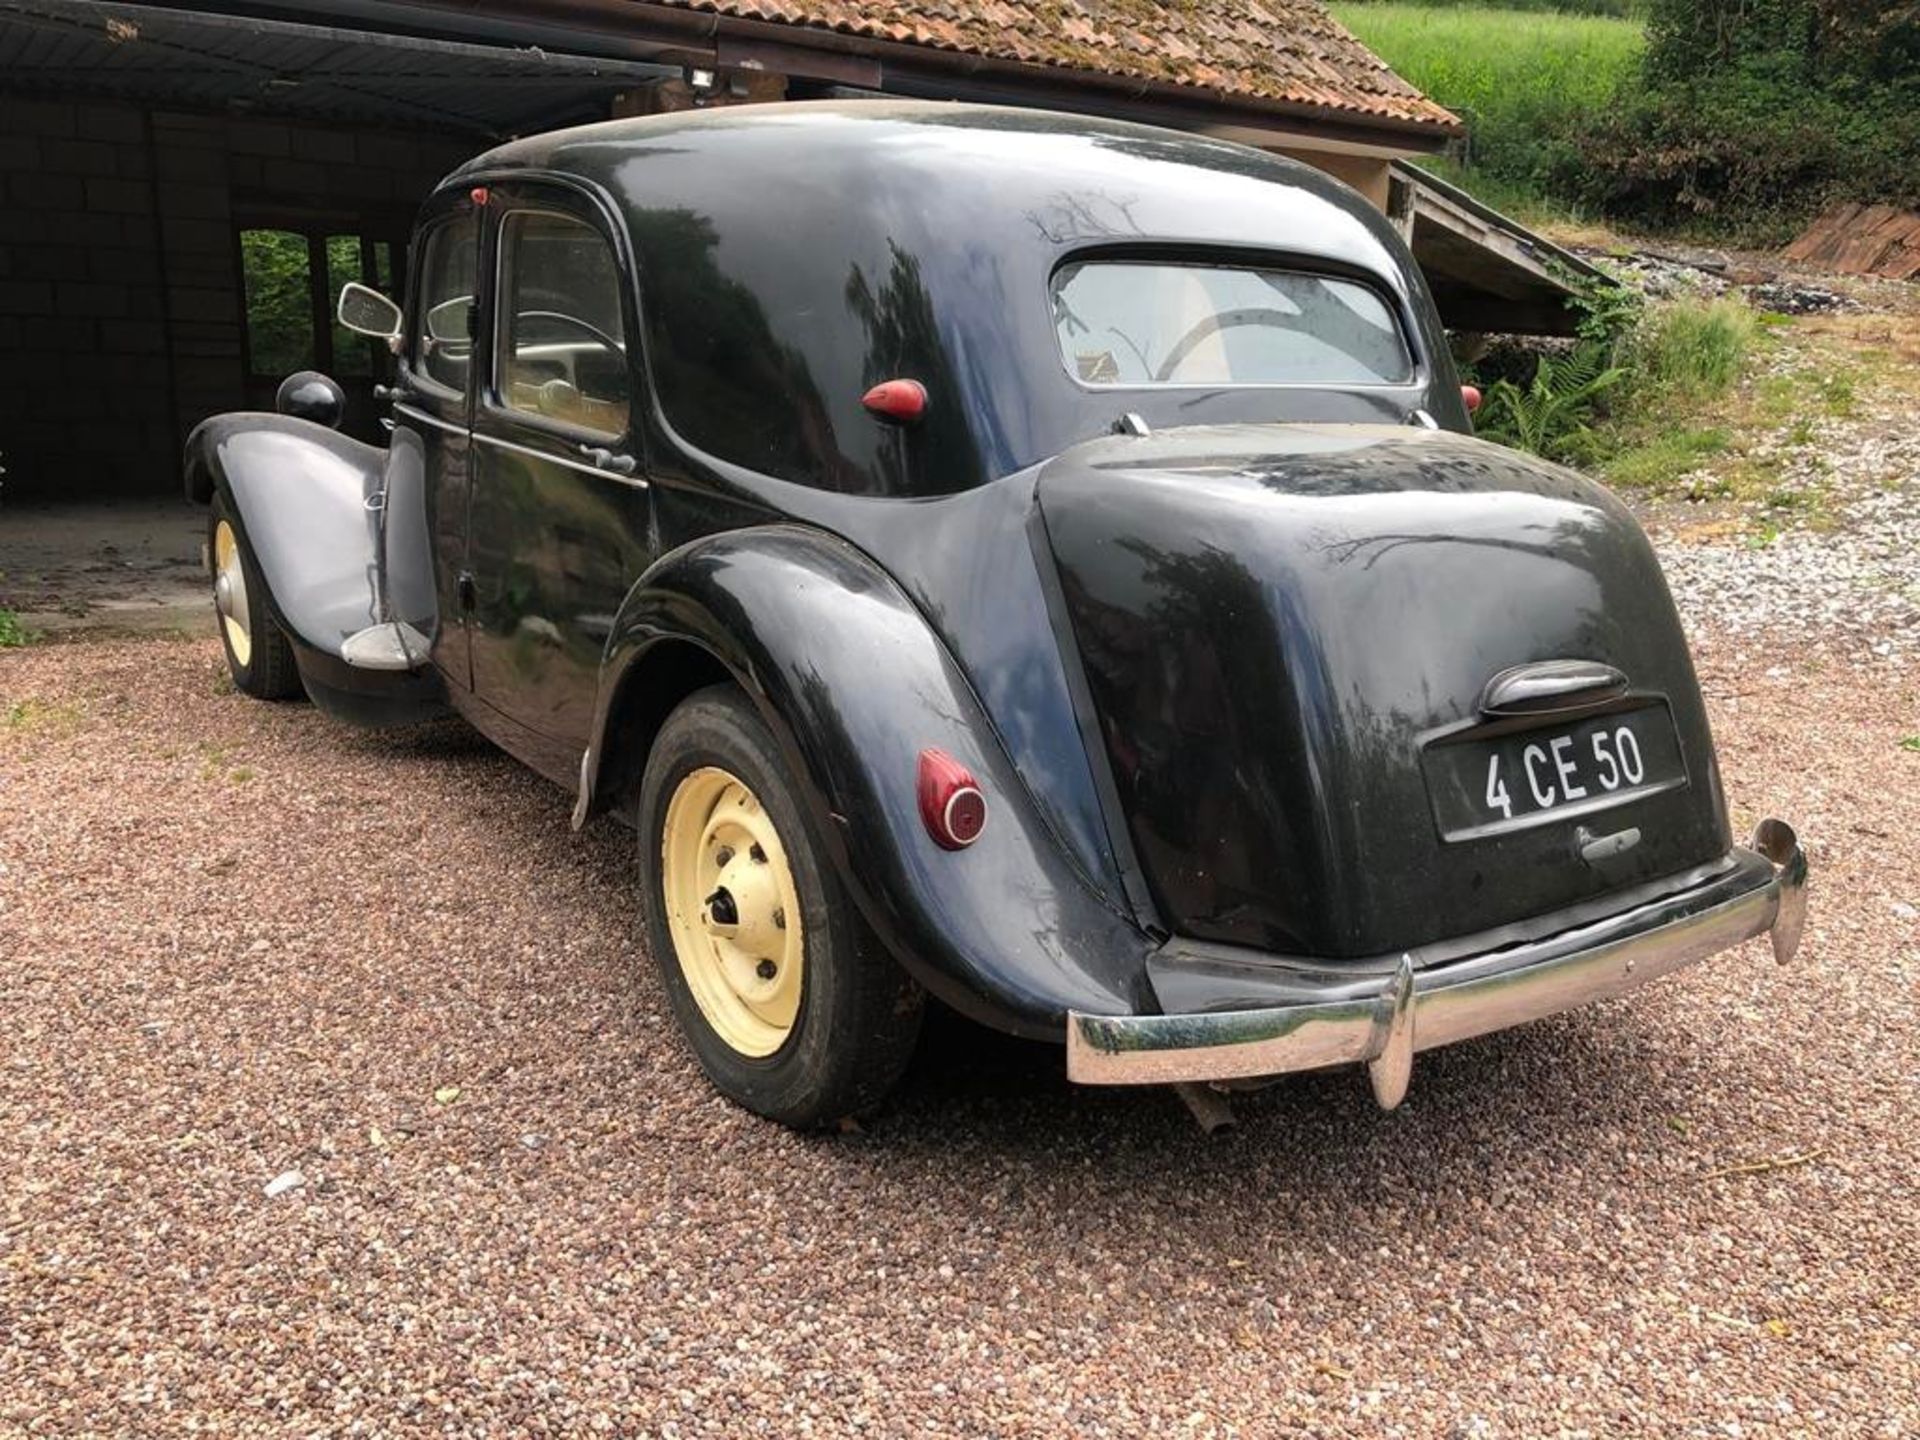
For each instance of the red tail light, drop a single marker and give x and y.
(951, 805)
(1471, 394)
(900, 401)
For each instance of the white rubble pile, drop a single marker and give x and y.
(1849, 585)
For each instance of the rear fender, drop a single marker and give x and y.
(854, 684)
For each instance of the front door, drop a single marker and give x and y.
(559, 521)
(429, 458)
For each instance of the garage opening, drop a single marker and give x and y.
(292, 269)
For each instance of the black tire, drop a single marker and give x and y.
(859, 1013)
(269, 671)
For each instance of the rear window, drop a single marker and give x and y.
(1149, 323)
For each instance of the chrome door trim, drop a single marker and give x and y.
(551, 459)
(424, 418)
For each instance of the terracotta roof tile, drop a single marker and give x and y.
(1289, 52)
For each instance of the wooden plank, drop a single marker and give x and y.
(1488, 273)
(1861, 249)
(1902, 262)
(1823, 232)
(1897, 224)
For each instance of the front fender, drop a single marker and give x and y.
(855, 684)
(302, 493)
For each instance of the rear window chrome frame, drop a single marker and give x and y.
(1220, 257)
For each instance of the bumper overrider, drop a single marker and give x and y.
(1331, 1020)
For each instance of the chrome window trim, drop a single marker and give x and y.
(1419, 378)
(488, 393)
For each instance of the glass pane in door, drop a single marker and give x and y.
(279, 291)
(352, 354)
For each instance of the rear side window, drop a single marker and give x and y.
(563, 346)
(443, 323)
(1150, 323)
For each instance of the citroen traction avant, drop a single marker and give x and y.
(1031, 561)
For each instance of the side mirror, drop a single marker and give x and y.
(451, 322)
(365, 311)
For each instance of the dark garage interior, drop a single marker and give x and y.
(185, 190)
(185, 193)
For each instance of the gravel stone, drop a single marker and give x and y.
(238, 940)
(1826, 565)
(1849, 587)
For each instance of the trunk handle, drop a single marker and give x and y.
(1552, 687)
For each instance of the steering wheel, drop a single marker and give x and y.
(1213, 325)
(574, 320)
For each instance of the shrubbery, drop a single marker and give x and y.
(1731, 115)
(1689, 351)
(1760, 113)
(1634, 367)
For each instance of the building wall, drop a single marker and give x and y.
(120, 295)
(1369, 174)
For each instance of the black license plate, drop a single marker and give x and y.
(1552, 772)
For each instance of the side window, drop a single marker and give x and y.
(443, 322)
(563, 347)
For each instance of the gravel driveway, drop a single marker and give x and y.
(240, 943)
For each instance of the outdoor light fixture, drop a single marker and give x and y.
(701, 80)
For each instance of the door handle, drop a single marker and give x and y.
(602, 458)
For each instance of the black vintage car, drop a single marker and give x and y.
(1034, 561)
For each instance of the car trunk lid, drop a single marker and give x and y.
(1361, 688)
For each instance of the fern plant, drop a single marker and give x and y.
(1552, 415)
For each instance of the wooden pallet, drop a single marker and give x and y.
(1862, 240)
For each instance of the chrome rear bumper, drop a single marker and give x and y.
(1417, 1010)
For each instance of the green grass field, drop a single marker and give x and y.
(1523, 80)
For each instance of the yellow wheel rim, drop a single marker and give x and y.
(230, 593)
(733, 911)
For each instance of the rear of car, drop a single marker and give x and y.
(1402, 726)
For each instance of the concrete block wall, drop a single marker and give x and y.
(121, 305)
(84, 398)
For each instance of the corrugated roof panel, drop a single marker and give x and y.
(218, 61)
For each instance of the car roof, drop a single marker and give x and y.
(833, 244)
(823, 125)
(822, 149)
